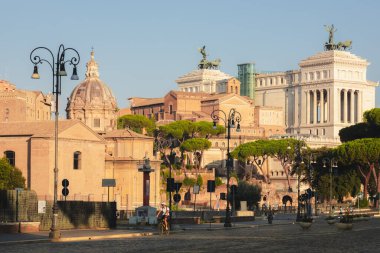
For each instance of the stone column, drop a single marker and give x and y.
(315, 107)
(322, 106)
(307, 107)
(360, 116)
(345, 103)
(352, 99)
(328, 105)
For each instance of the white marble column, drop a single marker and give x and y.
(360, 116)
(345, 103)
(307, 107)
(352, 100)
(322, 106)
(315, 107)
(328, 105)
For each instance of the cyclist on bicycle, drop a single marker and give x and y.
(164, 213)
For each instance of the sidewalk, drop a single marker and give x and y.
(74, 235)
(123, 231)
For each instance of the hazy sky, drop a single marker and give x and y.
(142, 47)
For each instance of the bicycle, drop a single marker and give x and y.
(162, 228)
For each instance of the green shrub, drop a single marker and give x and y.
(189, 181)
(362, 203)
(200, 181)
(247, 192)
(10, 177)
(218, 181)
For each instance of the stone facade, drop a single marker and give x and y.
(201, 80)
(92, 101)
(33, 147)
(197, 106)
(125, 152)
(23, 105)
(328, 93)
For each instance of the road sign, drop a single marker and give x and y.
(170, 184)
(108, 182)
(65, 182)
(65, 192)
(177, 186)
(210, 185)
(177, 198)
(360, 195)
(196, 189)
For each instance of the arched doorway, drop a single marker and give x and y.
(285, 201)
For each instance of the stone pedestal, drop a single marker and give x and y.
(144, 215)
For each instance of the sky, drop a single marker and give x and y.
(142, 47)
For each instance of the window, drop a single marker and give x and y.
(96, 122)
(216, 144)
(77, 160)
(11, 156)
(6, 117)
(170, 109)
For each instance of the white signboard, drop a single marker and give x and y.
(42, 206)
(196, 189)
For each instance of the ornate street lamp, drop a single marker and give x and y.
(229, 120)
(333, 164)
(57, 66)
(162, 144)
(298, 161)
(312, 175)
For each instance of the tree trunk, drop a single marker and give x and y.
(286, 170)
(366, 178)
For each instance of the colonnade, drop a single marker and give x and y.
(319, 101)
(318, 104)
(350, 106)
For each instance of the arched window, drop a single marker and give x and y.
(77, 160)
(11, 156)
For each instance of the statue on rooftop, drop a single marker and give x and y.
(330, 45)
(331, 29)
(204, 63)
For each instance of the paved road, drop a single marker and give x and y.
(276, 238)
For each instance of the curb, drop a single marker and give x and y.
(102, 237)
(78, 238)
(24, 242)
(238, 227)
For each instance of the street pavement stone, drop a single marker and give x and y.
(287, 237)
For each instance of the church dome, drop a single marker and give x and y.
(92, 101)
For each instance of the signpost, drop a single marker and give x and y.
(195, 191)
(108, 183)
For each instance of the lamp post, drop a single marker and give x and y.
(162, 144)
(333, 164)
(57, 66)
(312, 174)
(298, 161)
(229, 122)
